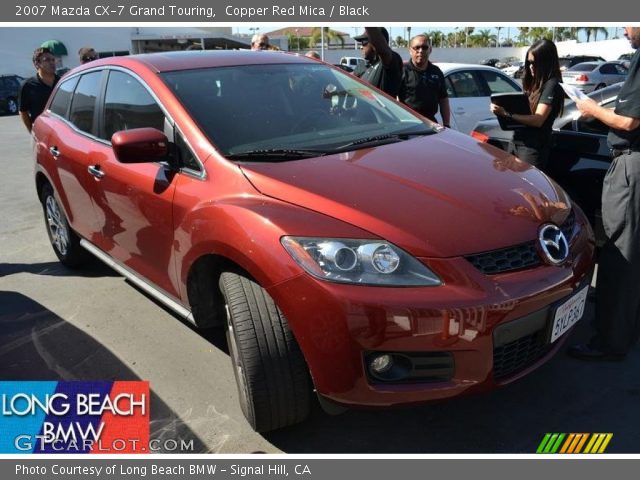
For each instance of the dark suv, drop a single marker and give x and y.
(569, 61)
(9, 88)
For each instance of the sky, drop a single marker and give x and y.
(415, 29)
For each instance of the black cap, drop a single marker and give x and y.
(365, 36)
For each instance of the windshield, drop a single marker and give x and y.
(289, 108)
(583, 67)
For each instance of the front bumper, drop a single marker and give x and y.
(479, 320)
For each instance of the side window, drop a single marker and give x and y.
(83, 105)
(608, 69)
(60, 103)
(129, 105)
(186, 156)
(464, 85)
(497, 83)
(621, 69)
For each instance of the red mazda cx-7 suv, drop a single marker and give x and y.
(351, 248)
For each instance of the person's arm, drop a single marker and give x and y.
(536, 120)
(445, 111)
(26, 119)
(607, 115)
(380, 44)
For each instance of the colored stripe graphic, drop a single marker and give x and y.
(574, 443)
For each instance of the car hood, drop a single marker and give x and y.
(437, 196)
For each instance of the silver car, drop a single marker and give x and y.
(590, 76)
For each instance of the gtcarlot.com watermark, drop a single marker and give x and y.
(27, 443)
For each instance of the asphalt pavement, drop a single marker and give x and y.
(91, 324)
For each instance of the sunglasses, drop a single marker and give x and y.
(89, 59)
(262, 44)
(364, 42)
(418, 48)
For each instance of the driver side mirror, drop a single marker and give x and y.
(140, 145)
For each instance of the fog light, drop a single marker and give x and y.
(381, 363)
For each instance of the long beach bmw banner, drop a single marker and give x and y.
(74, 417)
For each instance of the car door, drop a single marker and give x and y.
(469, 94)
(134, 201)
(613, 73)
(579, 160)
(72, 146)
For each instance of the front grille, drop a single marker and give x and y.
(568, 225)
(516, 257)
(515, 356)
(506, 259)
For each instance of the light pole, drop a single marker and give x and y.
(298, 38)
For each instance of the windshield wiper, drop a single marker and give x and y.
(275, 153)
(383, 139)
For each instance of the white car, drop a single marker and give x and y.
(470, 88)
(512, 69)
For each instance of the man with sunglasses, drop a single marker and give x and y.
(422, 87)
(35, 91)
(385, 65)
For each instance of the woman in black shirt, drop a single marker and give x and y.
(541, 83)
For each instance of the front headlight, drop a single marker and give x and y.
(367, 262)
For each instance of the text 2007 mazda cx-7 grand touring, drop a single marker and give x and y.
(349, 246)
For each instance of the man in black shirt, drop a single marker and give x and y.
(385, 65)
(618, 283)
(422, 87)
(35, 91)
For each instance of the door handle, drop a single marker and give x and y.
(54, 151)
(95, 171)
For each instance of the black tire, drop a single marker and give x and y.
(271, 373)
(65, 242)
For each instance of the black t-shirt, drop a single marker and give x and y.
(388, 78)
(628, 104)
(34, 94)
(537, 137)
(422, 90)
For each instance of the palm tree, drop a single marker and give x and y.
(401, 42)
(484, 38)
(437, 38)
(538, 33)
(523, 35)
(594, 31)
(498, 35)
(329, 35)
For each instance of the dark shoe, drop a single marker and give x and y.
(584, 351)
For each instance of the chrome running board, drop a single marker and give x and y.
(162, 297)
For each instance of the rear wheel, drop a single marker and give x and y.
(65, 242)
(271, 374)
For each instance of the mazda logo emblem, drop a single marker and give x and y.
(554, 244)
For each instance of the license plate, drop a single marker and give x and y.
(568, 314)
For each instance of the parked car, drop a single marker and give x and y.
(592, 76)
(9, 88)
(353, 62)
(625, 59)
(514, 70)
(469, 88)
(491, 62)
(569, 61)
(350, 247)
(579, 156)
(344, 67)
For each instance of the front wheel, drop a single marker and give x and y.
(271, 373)
(65, 242)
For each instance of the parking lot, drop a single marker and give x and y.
(59, 324)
